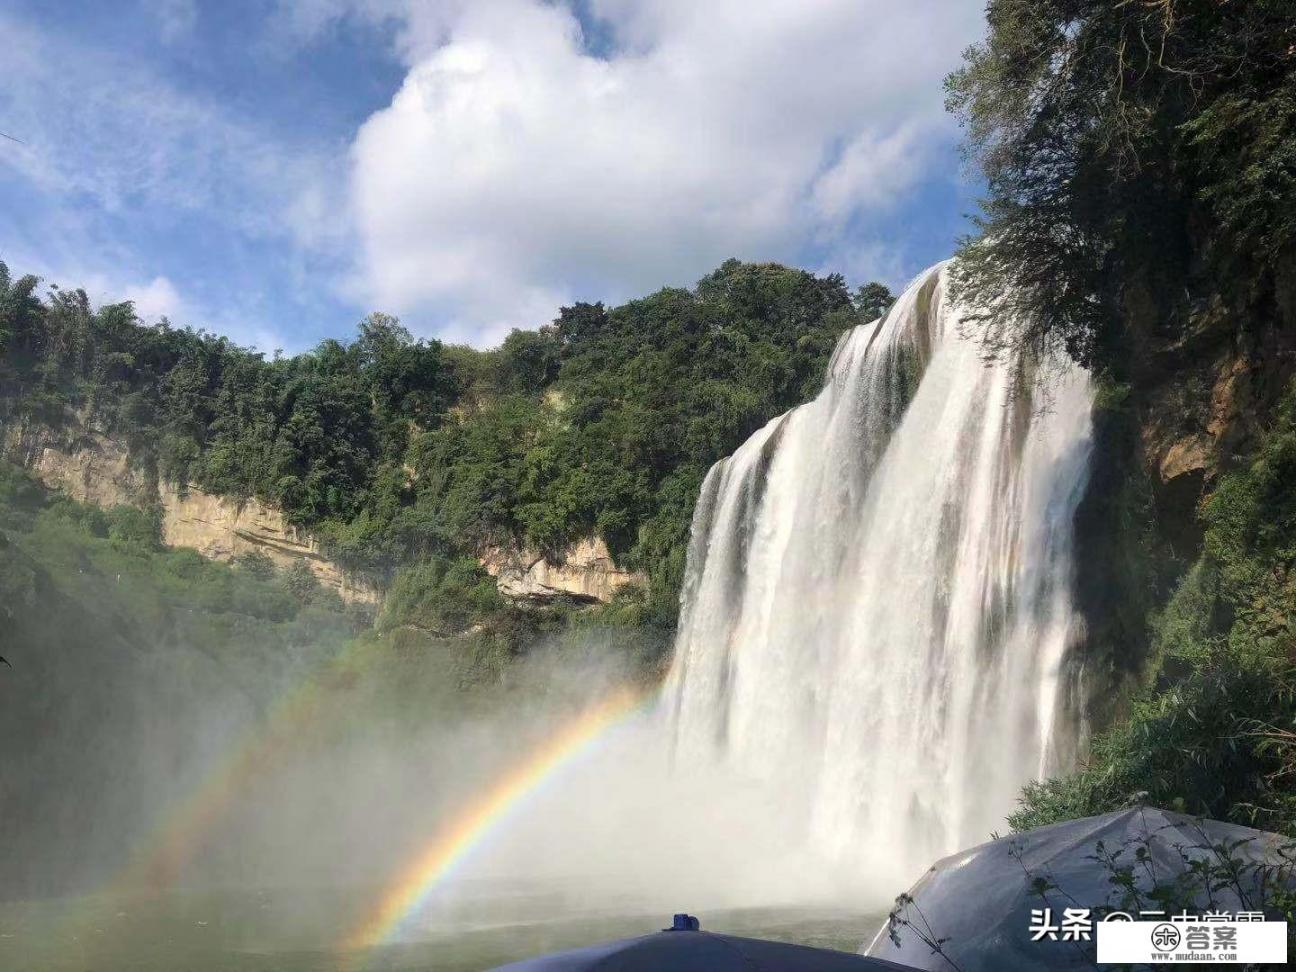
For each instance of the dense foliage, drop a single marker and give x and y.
(1127, 148)
(1215, 731)
(396, 451)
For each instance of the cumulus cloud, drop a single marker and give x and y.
(156, 299)
(530, 157)
(153, 299)
(527, 159)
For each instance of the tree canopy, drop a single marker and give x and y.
(1127, 148)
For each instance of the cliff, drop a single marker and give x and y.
(1204, 381)
(584, 572)
(1204, 395)
(93, 467)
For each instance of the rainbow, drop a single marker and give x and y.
(455, 841)
(184, 829)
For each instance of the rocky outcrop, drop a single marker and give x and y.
(586, 572)
(1202, 383)
(1203, 401)
(99, 469)
(94, 467)
(222, 529)
(84, 464)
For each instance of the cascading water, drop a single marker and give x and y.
(876, 610)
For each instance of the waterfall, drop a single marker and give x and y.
(876, 612)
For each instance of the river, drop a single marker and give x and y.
(295, 931)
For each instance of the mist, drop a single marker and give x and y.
(625, 825)
(273, 801)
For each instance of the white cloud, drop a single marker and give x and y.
(515, 169)
(106, 131)
(154, 298)
(871, 172)
(420, 25)
(157, 299)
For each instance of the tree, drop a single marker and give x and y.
(391, 449)
(872, 300)
(19, 307)
(1125, 148)
(301, 582)
(255, 563)
(529, 360)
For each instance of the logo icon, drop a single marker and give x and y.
(1165, 937)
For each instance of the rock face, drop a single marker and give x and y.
(1204, 380)
(585, 573)
(222, 529)
(96, 468)
(83, 464)
(1190, 438)
(1205, 400)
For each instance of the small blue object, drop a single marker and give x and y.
(684, 923)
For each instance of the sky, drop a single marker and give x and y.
(273, 170)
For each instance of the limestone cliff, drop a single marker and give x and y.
(1203, 380)
(585, 572)
(96, 468)
(222, 529)
(1202, 397)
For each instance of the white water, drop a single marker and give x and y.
(876, 614)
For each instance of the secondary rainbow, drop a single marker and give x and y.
(184, 830)
(453, 843)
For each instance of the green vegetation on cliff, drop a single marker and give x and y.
(1214, 732)
(395, 451)
(74, 572)
(128, 662)
(1130, 151)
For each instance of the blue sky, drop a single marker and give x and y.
(274, 169)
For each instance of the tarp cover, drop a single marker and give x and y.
(699, 951)
(980, 900)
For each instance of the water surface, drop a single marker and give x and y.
(295, 931)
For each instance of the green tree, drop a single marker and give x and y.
(393, 450)
(1126, 147)
(872, 300)
(301, 582)
(19, 309)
